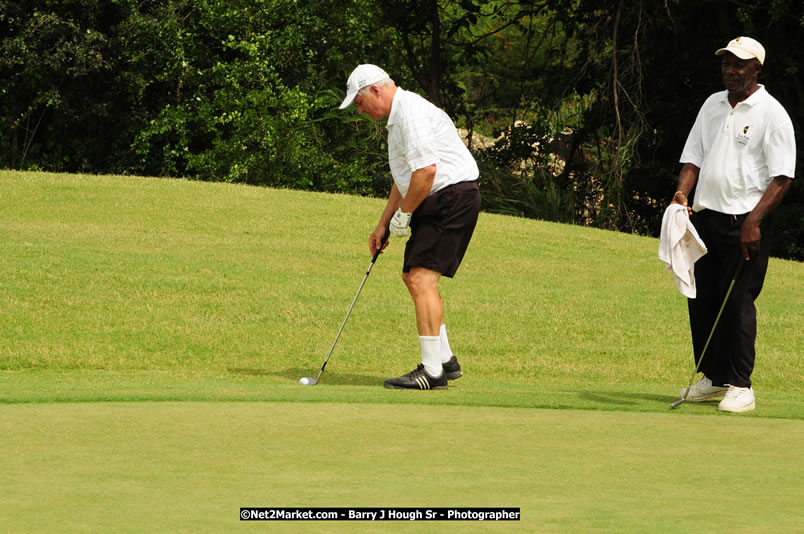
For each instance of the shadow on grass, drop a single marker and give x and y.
(624, 399)
(295, 374)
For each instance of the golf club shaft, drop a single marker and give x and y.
(711, 332)
(359, 289)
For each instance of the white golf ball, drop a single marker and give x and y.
(304, 381)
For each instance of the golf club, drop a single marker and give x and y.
(683, 398)
(310, 381)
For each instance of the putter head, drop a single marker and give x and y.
(308, 381)
(682, 399)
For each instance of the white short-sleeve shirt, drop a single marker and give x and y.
(419, 135)
(739, 151)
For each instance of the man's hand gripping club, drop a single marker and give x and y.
(399, 223)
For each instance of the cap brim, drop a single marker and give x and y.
(348, 100)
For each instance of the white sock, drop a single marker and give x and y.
(446, 351)
(431, 354)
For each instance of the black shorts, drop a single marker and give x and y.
(441, 228)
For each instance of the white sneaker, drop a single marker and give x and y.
(737, 400)
(703, 390)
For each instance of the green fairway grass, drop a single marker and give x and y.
(189, 467)
(153, 333)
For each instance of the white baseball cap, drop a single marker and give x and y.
(744, 48)
(362, 76)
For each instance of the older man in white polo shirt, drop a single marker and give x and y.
(740, 157)
(434, 197)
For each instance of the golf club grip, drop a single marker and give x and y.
(382, 244)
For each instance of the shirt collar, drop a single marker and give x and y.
(394, 107)
(751, 100)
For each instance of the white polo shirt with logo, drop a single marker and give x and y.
(739, 151)
(419, 135)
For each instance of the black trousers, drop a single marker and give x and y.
(729, 359)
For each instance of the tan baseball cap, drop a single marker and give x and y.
(362, 76)
(744, 48)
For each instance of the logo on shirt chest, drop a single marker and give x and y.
(745, 136)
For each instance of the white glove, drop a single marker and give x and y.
(399, 223)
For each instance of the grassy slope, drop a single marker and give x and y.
(131, 282)
(124, 289)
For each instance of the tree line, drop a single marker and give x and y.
(577, 110)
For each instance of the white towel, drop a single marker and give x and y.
(680, 247)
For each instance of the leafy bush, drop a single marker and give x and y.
(247, 91)
(518, 176)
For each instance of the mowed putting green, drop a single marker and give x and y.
(153, 333)
(117, 467)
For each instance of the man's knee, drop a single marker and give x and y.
(420, 280)
(406, 280)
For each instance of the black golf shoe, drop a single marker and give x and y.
(417, 379)
(452, 369)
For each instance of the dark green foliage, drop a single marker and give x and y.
(239, 91)
(589, 102)
(250, 107)
(516, 177)
(59, 100)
